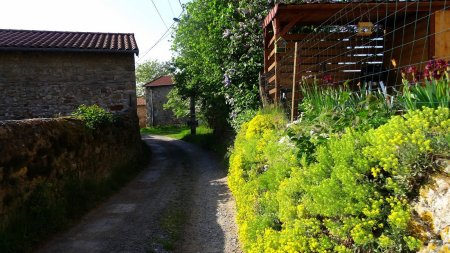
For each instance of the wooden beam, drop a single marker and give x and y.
(266, 49)
(441, 41)
(294, 83)
(271, 54)
(290, 25)
(272, 79)
(271, 66)
(271, 41)
(318, 36)
(276, 32)
(431, 44)
(332, 59)
(318, 13)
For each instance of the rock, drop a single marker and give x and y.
(432, 224)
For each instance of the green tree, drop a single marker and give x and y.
(148, 71)
(176, 103)
(218, 48)
(199, 49)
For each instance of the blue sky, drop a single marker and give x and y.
(130, 16)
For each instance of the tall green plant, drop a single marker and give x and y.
(433, 91)
(342, 107)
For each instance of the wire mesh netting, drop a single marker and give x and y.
(377, 45)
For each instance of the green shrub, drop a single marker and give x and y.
(330, 110)
(94, 116)
(241, 118)
(433, 91)
(354, 196)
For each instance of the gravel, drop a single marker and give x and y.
(129, 221)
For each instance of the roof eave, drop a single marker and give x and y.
(24, 49)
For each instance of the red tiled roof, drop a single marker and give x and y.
(161, 81)
(141, 101)
(67, 41)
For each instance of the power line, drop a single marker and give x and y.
(159, 14)
(165, 34)
(171, 9)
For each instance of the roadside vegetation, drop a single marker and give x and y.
(339, 179)
(342, 177)
(204, 138)
(57, 203)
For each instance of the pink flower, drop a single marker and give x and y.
(437, 74)
(441, 64)
(411, 70)
(426, 73)
(418, 76)
(328, 79)
(431, 65)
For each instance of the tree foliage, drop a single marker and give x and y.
(218, 56)
(148, 71)
(178, 105)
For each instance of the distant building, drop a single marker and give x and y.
(46, 73)
(156, 96)
(142, 111)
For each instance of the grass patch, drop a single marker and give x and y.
(176, 132)
(172, 223)
(204, 137)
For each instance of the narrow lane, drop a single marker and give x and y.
(130, 221)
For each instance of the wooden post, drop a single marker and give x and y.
(441, 40)
(276, 34)
(262, 90)
(294, 81)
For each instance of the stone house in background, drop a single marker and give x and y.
(142, 111)
(156, 93)
(47, 73)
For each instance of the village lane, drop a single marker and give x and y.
(180, 177)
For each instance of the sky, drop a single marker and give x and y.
(123, 16)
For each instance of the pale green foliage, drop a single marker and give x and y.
(176, 103)
(352, 197)
(218, 56)
(94, 116)
(433, 91)
(148, 71)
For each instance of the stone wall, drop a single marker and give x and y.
(156, 97)
(431, 219)
(50, 151)
(45, 84)
(142, 115)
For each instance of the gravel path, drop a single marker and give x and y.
(179, 174)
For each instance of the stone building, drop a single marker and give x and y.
(142, 111)
(46, 73)
(156, 95)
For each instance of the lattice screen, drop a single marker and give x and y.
(357, 42)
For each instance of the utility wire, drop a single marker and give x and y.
(159, 14)
(165, 34)
(171, 9)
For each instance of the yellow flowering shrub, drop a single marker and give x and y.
(354, 196)
(398, 148)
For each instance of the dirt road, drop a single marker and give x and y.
(183, 189)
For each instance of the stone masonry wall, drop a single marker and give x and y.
(142, 115)
(156, 97)
(40, 151)
(45, 84)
